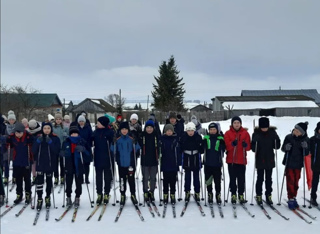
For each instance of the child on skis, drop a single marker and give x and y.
(170, 162)
(264, 141)
(295, 146)
(76, 155)
(214, 147)
(191, 148)
(103, 160)
(149, 143)
(46, 150)
(237, 141)
(125, 148)
(20, 143)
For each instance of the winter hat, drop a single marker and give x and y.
(58, 116)
(104, 121)
(11, 115)
(213, 125)
(83, 113)
(134, 116)
(124, 125)
(73, 129)
(173, 115)
(81, 118)
(302, 127)
(190, 126)
(235, 118)
(33, 124)
(317, 128)
(168, 127)
(19, 127)
(264, 122)
(4, 117)
(110, 117)
(46, 124)
(149, 123)
(50, 117)
(66, 117)
(24, 121)
(119, 116)
(152, 117)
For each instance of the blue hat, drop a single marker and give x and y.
(149, 123)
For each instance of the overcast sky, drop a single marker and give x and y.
(81, 48)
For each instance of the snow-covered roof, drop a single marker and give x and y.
(268, 105)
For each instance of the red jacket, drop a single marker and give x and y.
(240, 156)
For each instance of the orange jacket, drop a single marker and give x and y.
(237, 154)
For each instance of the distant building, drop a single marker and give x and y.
(200, 108)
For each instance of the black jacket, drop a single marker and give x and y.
(150, 149)
(266, 143)
(188, 144)
(315, 152)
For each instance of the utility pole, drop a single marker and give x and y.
(147, 107)
(120, 102)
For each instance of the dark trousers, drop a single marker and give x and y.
(187, 180)
(40, 184)
(213, 174)
(86, 171)
(125, 175)
(56, 171)
(237, 176)
(169, 180)
(78, 181)
(292, 177)
(22, 173)
(1, 183)
(315, 182)
(103, 174)
(149, 178)
(268, 181)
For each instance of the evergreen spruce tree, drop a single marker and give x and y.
(168, 92)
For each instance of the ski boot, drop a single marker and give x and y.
(241, 199)
(134, 199)
(165, 198)
(234, 199)
(28, 198)
(151, 196)
(218, 199)
(77, 202)
(197, 196)
(106, 199)
(18, 199)
(122, 200)
(187, 196)
(1, 200)
(146, 197)
(5, 181)
(56, 181)
(173, 198)
(210, 198)
(99, 200)
(62, 180)
(39, 204)
(33, 182)
(296, 205)
(13, 180)
(259, 200)
(69, 202)
(313, 202)
(269, 200)
(47, 202)
(291, 204)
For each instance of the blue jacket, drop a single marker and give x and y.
(46, 154)
(102, 139)
(73, 163)
(124, 151)
(214, 148)
(21, 148)
(170, 153)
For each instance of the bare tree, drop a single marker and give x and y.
(115, 101)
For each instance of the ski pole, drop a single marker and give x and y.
(7, 201)
(245, 181)
(200, 171)
(86, 183)
(159, 176)
(112, 165)
(93, 171)
(181, 177)
(304, 179)
(254, 170)
(276, 154)
(284, 174)
(224, 179)
(52, 191)
(64, 183)
(135, 164)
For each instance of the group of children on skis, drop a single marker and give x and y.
(123, 142)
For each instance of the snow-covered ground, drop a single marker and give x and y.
(191, 222)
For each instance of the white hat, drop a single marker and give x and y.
(134, 116)
(190, 126)
(81, 118)
(11, 115)
(50, 117)
(32, 124)
(66, 117)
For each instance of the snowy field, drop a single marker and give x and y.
(191, 222)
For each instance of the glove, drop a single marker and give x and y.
(234, 143)
(80, 148)
(39, 139)
(244, 144)
(48, 139)
(304, 144)
(288, 147)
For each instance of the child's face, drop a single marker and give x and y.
(236, 125)
(46, 129)
(319, 131)
(58, 121)
(264, 129)
(81, 123)
(25, 123)
(173, 121)
(99, 125)
(149, 129)
(133, 121)
(296, 132)
(190, 132)
(75, 134)
(18, 134)
(11, 121)
(124, 131)
(213, 131)
(169, 132)
(67, 120)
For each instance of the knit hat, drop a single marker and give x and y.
(168, 127)
(124, 125)
(81, 118)
(236, 118)
(213, 125)
(190, 126)
(134, 116)
(302, 127)
(264, 122)
(50, 117)
(33, 124)
(11, 115)
(149, 123)
(119, 116)
(104, 121)
(73, 129)
(173, 115)
(58, 116)
(66, 117)
(19, 127)
(317, 128)
(152, 117)
(110, 117)
(46, 124)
